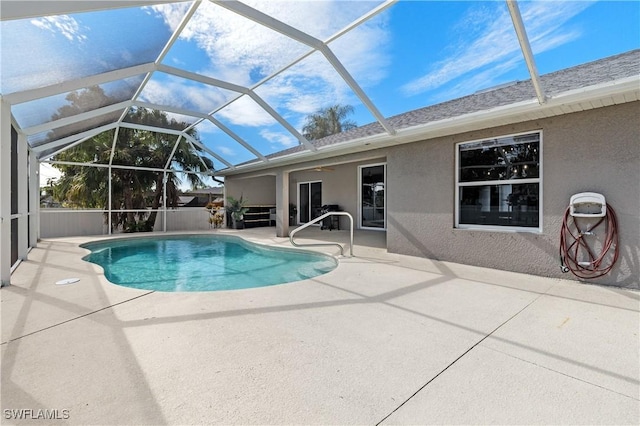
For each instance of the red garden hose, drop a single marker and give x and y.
(577, 256)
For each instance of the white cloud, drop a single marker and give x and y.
(181, 93)
(226, 151)
(62, 24)
(244, 52)
(278, 139)
(490, 44)
(245, 112)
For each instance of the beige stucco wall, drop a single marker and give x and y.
(339, 184)
(597, 150)
(256, 190)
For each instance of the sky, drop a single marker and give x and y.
(412, 54)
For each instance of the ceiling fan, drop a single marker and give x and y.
(323, 169)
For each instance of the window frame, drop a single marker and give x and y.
(539, 180)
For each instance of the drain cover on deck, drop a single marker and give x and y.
(68, 281)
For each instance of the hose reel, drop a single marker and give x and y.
(585, 251)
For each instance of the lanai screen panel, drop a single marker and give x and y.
(44, 110)
(182, 93)
(221, 44)
(43, 51)
(43, 138)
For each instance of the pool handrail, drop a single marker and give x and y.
(318, 219)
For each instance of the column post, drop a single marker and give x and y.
(23, 200)
(5, 193)
(282, 204)
(34, 200)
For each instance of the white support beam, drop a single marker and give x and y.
(302, 37)
(23, 199)
(34, 200)
(166, 108)
(208, 151)
(204, 164)
(5, 193)
(238, 89)
(525, 46)
(53, 154)
(173, 152)
(73, 138)
(237, 138)
(81, 83)
(75, 118)
(202, 79)
(135, 126)
(117, 166)
(21, 9)
(165, 50)
(282, 204)
(340, 69)
(282, 121)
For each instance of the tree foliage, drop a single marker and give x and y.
(328, 121)
(88, 187)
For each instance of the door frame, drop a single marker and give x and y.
(309, 182)
(359, 201)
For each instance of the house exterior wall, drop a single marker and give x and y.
(256, 190)
(339, 184)
(596, 150)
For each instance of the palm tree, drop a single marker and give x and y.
(87, 187)
(328, 121)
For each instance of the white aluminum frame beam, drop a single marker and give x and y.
(75, 118)
(80, 83)
(208, 151)
(5, 194)
(525, 46)
(237, 138)
(242, 90)
(21, 9)
(73, 138)
(302, 37)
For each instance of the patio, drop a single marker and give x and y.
(383, 338)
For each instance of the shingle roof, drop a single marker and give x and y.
(589, 74)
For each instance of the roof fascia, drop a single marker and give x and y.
(628, 87)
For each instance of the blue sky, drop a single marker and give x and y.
(414, 54)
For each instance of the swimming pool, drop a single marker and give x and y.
(202, 263)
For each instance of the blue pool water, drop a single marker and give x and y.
(202, 263)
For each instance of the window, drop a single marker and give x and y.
(498, 183)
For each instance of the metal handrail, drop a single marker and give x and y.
(318, 219)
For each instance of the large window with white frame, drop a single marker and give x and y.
(498, 183)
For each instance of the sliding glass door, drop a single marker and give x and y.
(372, 196)
(309, 201)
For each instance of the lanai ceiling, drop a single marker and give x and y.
(243, 74)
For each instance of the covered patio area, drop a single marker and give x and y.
(383, 339)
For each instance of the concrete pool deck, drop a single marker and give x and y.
(383, 338)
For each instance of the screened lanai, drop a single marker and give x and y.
(233, 80)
